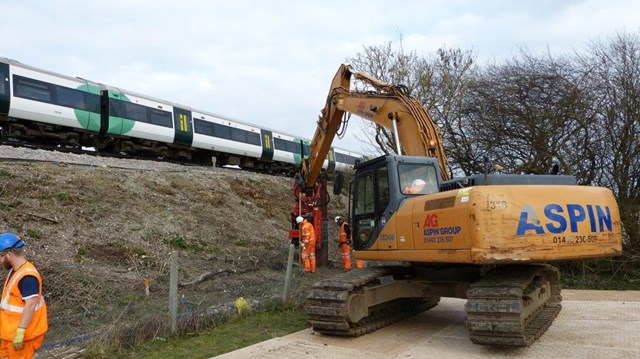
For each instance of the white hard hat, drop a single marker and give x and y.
(417, 182)
(299, 219)
(338, 218)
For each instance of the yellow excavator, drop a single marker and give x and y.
(486, 238)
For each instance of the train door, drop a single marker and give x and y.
(5, 95)
(183, 126)
(111, 112)
(267, 145)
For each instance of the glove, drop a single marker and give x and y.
(18, 339)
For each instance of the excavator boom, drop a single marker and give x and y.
(383, 104)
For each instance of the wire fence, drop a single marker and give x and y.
(168, 309)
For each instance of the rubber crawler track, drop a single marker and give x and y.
(327, 304)
(495, 303)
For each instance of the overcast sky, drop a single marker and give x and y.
(271, 62)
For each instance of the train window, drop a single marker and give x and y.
(288, 146)
(280, 144)
(116, 108)
(344, 158)
(238, 135)
(222, 131)
(225, 132)
(203, 127)
(135, 112)
(91, 102)
(69, 98)
(253, 138)
(161, 118)
(31, 89)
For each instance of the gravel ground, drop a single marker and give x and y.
(23, 153)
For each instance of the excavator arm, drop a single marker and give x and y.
(386, 105)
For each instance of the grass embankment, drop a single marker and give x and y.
(235, 334)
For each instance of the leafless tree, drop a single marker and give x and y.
(438, 82)
(531, 112)
(613, 70)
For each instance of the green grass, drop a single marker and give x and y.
(225, 338)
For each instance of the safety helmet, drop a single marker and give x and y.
(338, 219)
(299, 219)
(10, 240)
(417, 182)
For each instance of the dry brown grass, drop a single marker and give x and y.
(97, 233)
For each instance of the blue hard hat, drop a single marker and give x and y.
(10, 240)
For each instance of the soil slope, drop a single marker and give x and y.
(97, 233)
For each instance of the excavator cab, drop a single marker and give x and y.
(381, 186)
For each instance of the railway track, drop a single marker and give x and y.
(98, 157)
(12, 152)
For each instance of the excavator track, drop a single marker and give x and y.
(513, 305)
(328, 301)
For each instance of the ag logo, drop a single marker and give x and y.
(430, 221)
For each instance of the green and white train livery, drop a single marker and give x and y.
(45, 107)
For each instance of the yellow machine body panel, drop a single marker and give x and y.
(501, 224)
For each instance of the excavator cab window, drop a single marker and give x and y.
(371, 197)
(417, 179)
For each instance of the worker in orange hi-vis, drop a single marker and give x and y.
(344, 242)
(23, 312)
(308, 244)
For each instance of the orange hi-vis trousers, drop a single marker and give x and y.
(345, 253)
(309, 256)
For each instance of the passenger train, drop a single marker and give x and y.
(48, 108)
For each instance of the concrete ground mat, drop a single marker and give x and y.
(592, 324)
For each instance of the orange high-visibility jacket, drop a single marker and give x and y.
(308, 234)
(343, 233)
(12, 305)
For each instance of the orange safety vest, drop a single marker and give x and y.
(343, 233)
(308, 235)
(12, 305)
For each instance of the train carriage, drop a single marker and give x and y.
(137, 122)
(45, 107)
(232, 142)
(346, 159)
(58, 103)
(287, 148)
